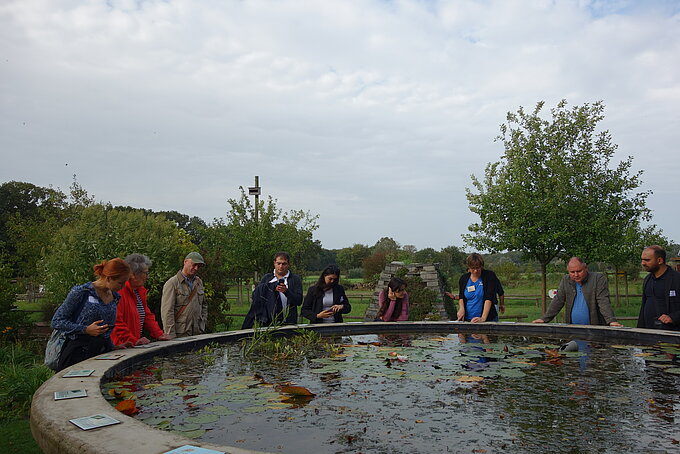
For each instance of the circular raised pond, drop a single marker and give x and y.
(377, 387)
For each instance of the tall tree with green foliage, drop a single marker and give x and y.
(99, 233)
(29, 215)
(554, 192)
(352, 257)
(246, 246)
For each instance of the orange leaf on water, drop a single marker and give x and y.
(127, 407)
(470, 378)
(294, 390)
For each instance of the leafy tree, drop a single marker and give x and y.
(427, 255)
(11, 322)
(387, 245)
(452, 261)
(101, 232)
(322, 258)
(352, 257)
(554, 192)
(28, 214)
(373, 265)
(243, 246)
(193, 225)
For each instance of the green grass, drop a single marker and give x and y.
(16, 438)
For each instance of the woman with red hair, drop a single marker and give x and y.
(88, 313)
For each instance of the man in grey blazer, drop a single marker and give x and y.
(586, 296)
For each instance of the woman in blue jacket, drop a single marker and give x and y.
(477, 292)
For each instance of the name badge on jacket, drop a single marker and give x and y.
(471, 288)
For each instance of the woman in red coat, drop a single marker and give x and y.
(133, 316)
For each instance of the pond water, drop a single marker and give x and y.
(419, 393)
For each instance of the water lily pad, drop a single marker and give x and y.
(255, 409)
(511, 373)
(171, 381)
(190, 427)
(193, 434)
(673, 370)
(220, 410)
(202, 400)
(157, 420)
(203, 418)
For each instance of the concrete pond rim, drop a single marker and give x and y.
(55, 434)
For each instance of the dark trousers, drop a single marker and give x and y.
(80, 349)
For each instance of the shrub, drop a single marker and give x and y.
(12, 322)
(21, 374)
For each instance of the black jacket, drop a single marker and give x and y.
(265, 308)
(312, 304)
(293, 295)
(672, 302)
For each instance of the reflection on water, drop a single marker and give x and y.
(421, 393)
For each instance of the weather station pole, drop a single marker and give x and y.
(255, 190)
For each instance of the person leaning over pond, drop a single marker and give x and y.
(477, 292)
(660, 292)
(184, 309)
(393, 302)
(132, 314)
(89, 312)
(586, 295)
(326, 301)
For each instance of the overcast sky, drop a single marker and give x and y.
(372, 114)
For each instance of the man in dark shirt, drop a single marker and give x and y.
(282, 298)
(660, 292)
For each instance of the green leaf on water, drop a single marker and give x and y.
(186, 427)
(171, 381)
(203, 418)
(254, 409)
(673, 370)
(193, 434)
(202, 400)
(220, 410)
(157, 420)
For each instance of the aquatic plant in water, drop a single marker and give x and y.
(405, 393)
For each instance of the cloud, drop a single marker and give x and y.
(372, 114)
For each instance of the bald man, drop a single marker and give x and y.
(586, 295)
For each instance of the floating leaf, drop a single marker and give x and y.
(171, 381)
(470, 378)
(673, 370)
(193, 434)
(127, 407)
(203, 418)
(220, 410)
(202, 400)
(119, 393)
(294, 390)
(157, 420)
(253, 409)
(186, 427)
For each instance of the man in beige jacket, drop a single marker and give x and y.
(184, 309)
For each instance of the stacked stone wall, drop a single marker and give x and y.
(427, 272)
